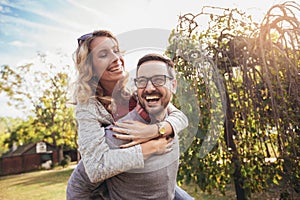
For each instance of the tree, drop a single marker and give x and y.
(259, 66)
(7, 126)
(54, 119)
(44, 94)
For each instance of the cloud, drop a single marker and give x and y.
(18, 43)
(4, 10)
(91, 9)
(35, 9)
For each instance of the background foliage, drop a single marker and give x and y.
(43, 92)
(258, 83)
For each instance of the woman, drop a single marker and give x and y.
(100, 67)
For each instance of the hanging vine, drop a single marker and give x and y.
(260, 69)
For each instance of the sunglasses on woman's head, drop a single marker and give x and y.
(83, 38)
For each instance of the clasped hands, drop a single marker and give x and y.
(138, 133)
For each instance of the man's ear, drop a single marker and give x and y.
(174, 86)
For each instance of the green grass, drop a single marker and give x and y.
(51, 185)
(39, 185)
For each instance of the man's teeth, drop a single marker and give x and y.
(148, 98)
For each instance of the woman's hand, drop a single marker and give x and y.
(157, 146)
(134, 141)
(135, 131)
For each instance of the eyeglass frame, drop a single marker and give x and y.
(150, 79)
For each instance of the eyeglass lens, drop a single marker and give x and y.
(157, 80)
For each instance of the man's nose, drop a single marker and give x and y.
(150, 86)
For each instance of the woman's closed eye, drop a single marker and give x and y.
(102, 53)
(105, 53)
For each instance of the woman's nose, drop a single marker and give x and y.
(115, 55)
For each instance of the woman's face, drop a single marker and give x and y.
(108, 63)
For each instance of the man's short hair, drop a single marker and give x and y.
(157, 57)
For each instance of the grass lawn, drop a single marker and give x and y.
(51, 185)
(39, 185)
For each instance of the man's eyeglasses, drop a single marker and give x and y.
(157, 80)
(83, 38)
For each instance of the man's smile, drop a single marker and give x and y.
(152, 98)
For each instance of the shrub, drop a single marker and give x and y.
(66, 161)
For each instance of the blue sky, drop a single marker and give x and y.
(28, 27)
(49, 26)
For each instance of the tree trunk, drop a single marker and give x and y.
(228, 135)
(59, 148)
(60, 153)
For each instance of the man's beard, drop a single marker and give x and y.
(156, 110)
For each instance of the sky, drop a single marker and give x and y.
(48, 27)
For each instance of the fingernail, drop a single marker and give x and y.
(114, 135)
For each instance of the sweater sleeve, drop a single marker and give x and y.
(99, 161)
(176, 118)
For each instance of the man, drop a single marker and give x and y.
(155, 82)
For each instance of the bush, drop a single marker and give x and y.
(66, 161)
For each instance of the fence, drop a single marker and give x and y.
(25, 162)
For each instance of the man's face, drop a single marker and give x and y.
(155, 99)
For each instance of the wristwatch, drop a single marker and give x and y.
(161, 128)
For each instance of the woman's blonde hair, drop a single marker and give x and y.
(87, 83)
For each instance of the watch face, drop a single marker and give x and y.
(162, 129)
